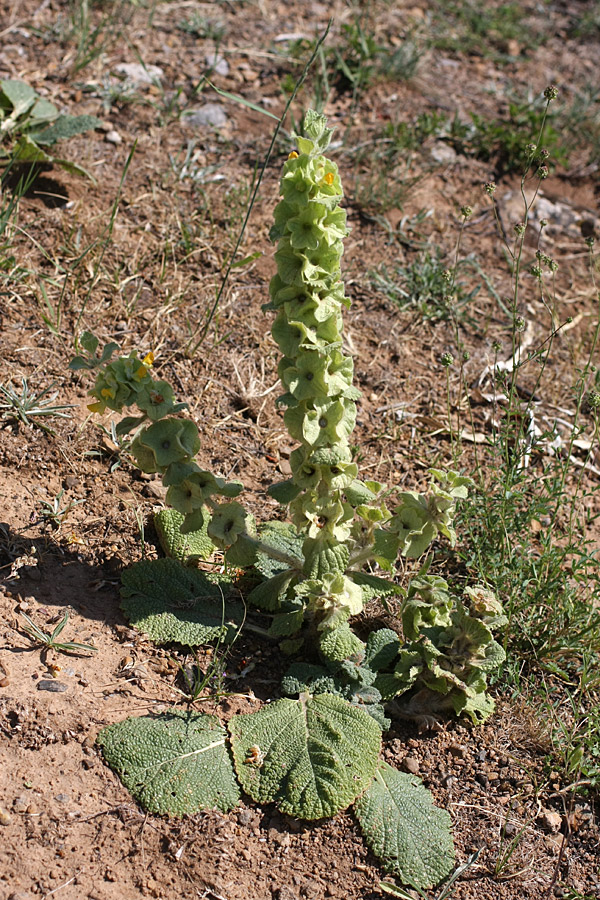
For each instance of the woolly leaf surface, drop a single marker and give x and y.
(19, 95)
(316, 754)
(341, 643)
(269, 594)
(65, 127)
(176, 763)
(410, 835)
(282, 536)
(382, 648)
(373, 586)
(170, 602)
(181, 546)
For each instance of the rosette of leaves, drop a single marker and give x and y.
(30, 125)
(449, 652)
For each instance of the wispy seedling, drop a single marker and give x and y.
(53, 511)
(50, 641)
(427, 285)
(30, 406)
(203, 27)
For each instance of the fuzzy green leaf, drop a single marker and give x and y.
(404, 829)
(176, 763)
(63, 128)
(27, 151)
(286, 623)
(281, 536)
(193, 545)
(268, 594)
(311, 756)
(341, 643)
(383, 646)
(41, 112)
(283, 491)
(170, 602)
(373, 586)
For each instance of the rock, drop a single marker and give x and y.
(550, 821)
(211, 115)
(113, 137)
(411, 765)
(443, 153)
(5, 816)
(284, 467)
(245, 816)
(457, 750)
(49, 684)
(284, 893)
(138, 74)
(218, 64)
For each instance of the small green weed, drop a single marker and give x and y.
(507, 141)
(91, 34)
(465, 26)
(50, 641)
(426, 284)
(54, 512)
(29, 406)
(201, 26)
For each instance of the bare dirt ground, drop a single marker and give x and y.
(143, 271)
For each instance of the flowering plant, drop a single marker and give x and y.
(314, 755)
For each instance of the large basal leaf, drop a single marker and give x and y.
(65, 127)
(170, 602)
(42, 112)
(311, 756)
(403, 828)
(176, 763)
(27, 151)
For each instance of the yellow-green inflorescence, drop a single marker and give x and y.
(308, 295)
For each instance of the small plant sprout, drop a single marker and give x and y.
(50, 641)
(30, 406)
(315, 751)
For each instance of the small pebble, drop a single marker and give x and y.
(211, 115)
(113, 137)
(457, 750)
(47, 684)
(5, 817)
(139, 74)
(550, 820)
(245, 816)
(218, 63)
(411, 765)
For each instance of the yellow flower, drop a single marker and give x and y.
(328, 178)
(147, 361)
(293, 155)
